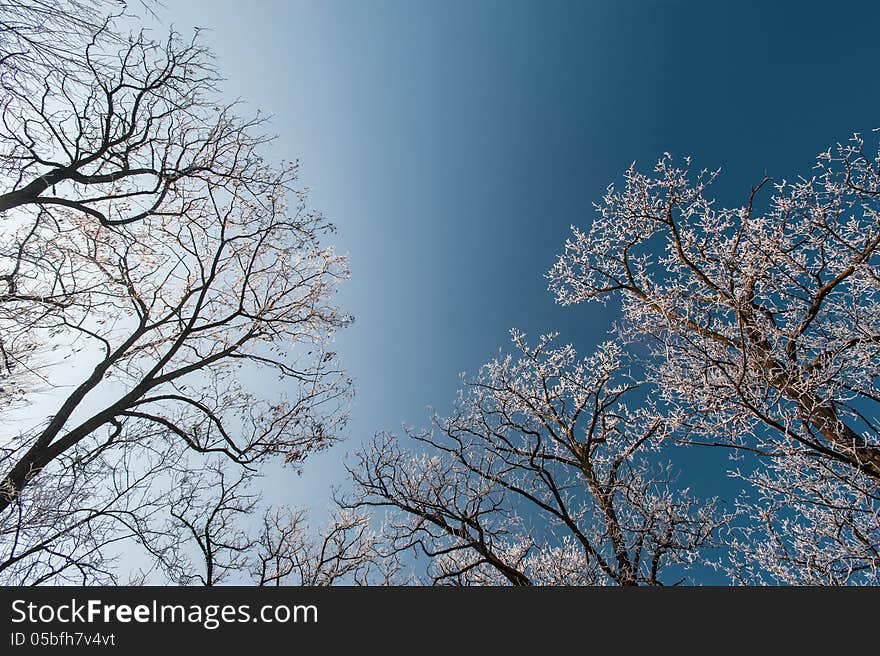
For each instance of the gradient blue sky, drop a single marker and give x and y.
(453, 144)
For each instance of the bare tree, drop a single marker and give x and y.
(812, 523)
(70, 525)
(132, 122)
(167, 305)
(346, 550)
(37, 36)
(218, 512)
(544, 474)
(763, 327)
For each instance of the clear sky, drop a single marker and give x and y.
(454, 143)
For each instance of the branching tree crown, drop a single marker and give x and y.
(544, 474)
(764, 326)
(175, 280)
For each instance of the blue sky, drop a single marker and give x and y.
(454, 143)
